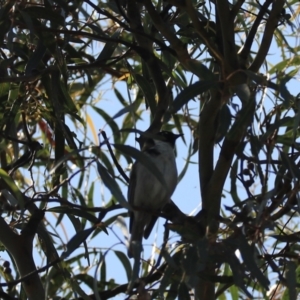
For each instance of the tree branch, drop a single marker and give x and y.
(193, 14)
(20, 247)
(235, 9)
(268, 35)
(227, 28)
(250, 38)
(232, 140)
(207, 129)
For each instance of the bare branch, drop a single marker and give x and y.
(268, 35)
(250, 38)
(228, 42)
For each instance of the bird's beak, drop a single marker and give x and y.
(178, 135)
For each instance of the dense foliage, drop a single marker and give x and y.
(222, 72)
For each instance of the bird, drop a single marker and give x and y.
(146, 191)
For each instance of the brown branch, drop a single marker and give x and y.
(235, 9)
(227, 29)
(268, 35)
(193, 14)
(123, 287)
(30, 228)
(70, 204)
(215, 187)
(207, 128)
(20, 248)
(250, 38)
(7, 237)
(26, 277)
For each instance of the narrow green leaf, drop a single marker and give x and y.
(76, 288)
(291, 280)
(165, 281)
(200, 69)
(125, 262)
(248, 253)
(290, 165)
(186, 165)
(296, 119)
(128, 109)
(238, 274)
(102, 268)
(110, 122)
(147, 90)
(75, 212)
(234, 292)
(191, 92)
(13, 187)
(284, 92)
(76, 241)
(28, 21)
(111, 184)
(233, 183)
(109, 47)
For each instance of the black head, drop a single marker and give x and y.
(169, 137)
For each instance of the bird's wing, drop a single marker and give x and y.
(149, 226)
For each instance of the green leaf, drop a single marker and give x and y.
(147, 90)
(125, 262)
(78, 290)
(234, 292)
(128, 109)
(79, 238)
(102, 268)
(238, 274)
(165, 280)
(109, 47)
(75, 212)
(291, 279)
(200, 69)
(284, 92)
(186, 165)
(290, 165)
(233, 183)
(13, 187)
(110, 122)
(28, 21)
(191, 92)
(248, 253)
(111, 184)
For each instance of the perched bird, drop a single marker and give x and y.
(146, 192)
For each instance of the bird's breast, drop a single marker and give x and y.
(149, 191)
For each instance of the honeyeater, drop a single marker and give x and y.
(146, 192)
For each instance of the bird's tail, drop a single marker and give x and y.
(135, 243)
